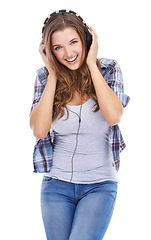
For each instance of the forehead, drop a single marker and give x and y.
(64, 35)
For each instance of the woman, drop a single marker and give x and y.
(78, 103)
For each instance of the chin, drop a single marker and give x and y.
(73, 69)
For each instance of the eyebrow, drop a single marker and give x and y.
(55, 45)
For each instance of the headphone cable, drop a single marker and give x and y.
(54, 177)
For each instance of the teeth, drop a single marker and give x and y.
(72, 59)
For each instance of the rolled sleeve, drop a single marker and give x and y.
(39, 86)
(115, 81)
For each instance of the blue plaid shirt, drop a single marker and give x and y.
(43, 150)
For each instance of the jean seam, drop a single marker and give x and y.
(76, 197)
(112, 207)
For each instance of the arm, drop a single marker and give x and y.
(109, 103)
(41, 115)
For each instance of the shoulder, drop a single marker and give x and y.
(109, 66)
(111, 70)
(108, 63)
(41, 74)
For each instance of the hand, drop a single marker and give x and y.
(44, 57)
(92, 54)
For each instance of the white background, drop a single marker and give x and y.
(124, 34)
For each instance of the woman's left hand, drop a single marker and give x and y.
(92, 54)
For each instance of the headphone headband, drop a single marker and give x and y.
(64, 11)
(88, 35)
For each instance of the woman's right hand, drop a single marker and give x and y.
(44, 57)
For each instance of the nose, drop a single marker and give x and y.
(67, 52)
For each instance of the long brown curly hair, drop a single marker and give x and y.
(66, 80)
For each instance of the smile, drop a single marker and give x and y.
(72, 59)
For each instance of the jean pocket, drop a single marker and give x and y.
(47, 179)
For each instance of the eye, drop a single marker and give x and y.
(57, 48)
(73, 42)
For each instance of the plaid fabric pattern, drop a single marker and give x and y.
(43, 150)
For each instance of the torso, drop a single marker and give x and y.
(89, 161)
(76, 100)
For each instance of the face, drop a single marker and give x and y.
(67, 47)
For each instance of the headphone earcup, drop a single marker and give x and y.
(88, 40)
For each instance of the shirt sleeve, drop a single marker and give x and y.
(38, 88)
(115, 81)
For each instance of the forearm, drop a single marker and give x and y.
(109, 103)
(41, 116)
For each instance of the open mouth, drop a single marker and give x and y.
(71, 60)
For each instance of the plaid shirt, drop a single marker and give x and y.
(43, 150)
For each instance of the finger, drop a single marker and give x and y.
(41, 47)
(92, 31)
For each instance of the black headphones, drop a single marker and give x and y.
(88, 35)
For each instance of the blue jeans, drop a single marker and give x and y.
(76, 211)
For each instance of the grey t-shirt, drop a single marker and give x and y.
(92, 162)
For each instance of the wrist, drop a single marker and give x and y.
(52, 76)
(51, 71)
(92, 65)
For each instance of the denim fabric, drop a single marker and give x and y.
(76, 211)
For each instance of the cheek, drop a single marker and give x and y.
(58, 56)
(80, 48)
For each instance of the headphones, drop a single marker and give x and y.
(88, 34)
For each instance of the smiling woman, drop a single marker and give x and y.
(67, 47)
(66, 41)
(78, 101)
